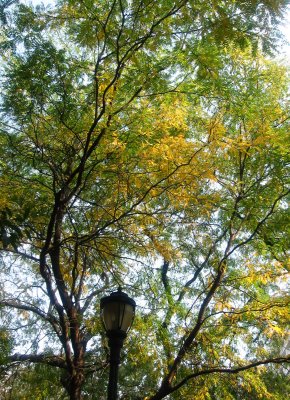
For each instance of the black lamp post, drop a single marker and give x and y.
(117, 313)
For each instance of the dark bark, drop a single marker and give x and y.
(75, 386)
(53, 360)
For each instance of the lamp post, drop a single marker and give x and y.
(117, 313)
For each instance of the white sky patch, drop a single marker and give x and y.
(285, 29)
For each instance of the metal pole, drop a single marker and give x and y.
(116, 340)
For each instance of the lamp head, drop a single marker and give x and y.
(117, 312)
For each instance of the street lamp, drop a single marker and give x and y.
(117, 313)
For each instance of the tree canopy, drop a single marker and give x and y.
(144, 145)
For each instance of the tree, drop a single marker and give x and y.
(140, 148)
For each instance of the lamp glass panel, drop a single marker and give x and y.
(117, 316)
(111, 316)
(127, 318)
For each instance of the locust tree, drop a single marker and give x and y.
(144, 145)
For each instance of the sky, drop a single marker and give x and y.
(285, 28)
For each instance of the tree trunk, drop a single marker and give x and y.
(75, 386)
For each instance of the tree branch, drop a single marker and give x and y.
(48, 317)
(53, 360)
(234, 370)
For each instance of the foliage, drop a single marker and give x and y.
(39, 380)
(144, 145)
